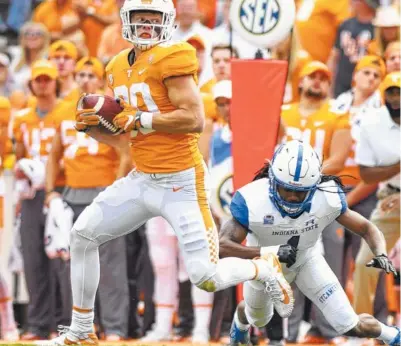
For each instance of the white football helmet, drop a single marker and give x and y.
(297, 167)
(160, 32)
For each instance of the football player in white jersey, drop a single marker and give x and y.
(290, 202)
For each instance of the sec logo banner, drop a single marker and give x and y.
(263, 23)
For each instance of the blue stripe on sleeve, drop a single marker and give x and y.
(344, 205)
(239, 209)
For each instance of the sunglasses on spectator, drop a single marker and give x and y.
(33, 34)
(83, 75)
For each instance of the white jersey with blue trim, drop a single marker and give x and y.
(221, 173)
(267, 226)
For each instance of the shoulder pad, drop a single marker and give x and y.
(123, 54)
(172, 47)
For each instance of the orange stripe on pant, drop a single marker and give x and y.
(204, 208)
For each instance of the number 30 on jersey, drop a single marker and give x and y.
(130, 95)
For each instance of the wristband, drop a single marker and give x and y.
(265, 250)
(146, 120)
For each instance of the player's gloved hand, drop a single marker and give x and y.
(85, 118)
(287, 254)
(129, 119)
(382, 262)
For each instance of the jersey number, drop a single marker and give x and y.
(130, 95)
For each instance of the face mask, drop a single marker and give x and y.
(395, 113)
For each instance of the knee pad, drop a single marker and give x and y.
(79, 241)
(258, 317)
(202, 275)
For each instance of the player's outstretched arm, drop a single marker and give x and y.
(232, 234)
(357, 224)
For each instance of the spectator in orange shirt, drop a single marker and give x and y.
(64, 54)
(112, 41)
(58, 16)
(94, 16)
(316, 25)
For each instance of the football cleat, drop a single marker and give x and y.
(396, 340)
(69, 337)
(279, 289)
(239, 337)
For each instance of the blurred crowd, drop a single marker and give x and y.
(343, 65)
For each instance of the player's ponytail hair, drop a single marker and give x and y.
(264, 173)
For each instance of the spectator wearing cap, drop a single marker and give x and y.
(64, 55)
(392, 56)
(387, 29)
(223, 35)
(112, 42)
(33, 130)
(378, 156)
(357, 102)
(34, 42)
(88, 72)
(352, 39)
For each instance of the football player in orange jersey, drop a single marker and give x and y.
(33, 131)
(163, 116)
(313, 120)
(90, 167)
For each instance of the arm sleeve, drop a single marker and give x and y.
(239, 209)
(364, 154)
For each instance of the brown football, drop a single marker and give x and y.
(106, 108)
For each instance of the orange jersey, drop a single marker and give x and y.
(36, 134)
(87, 162)
(317, 129)
(92, 28)
(141, 84)
(52, 15)
(316, 24)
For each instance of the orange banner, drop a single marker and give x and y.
(258, 90)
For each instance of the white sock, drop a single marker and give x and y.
(164, 318)
(239, 324)
(388, 333)
(203, 303)
(82, 322)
